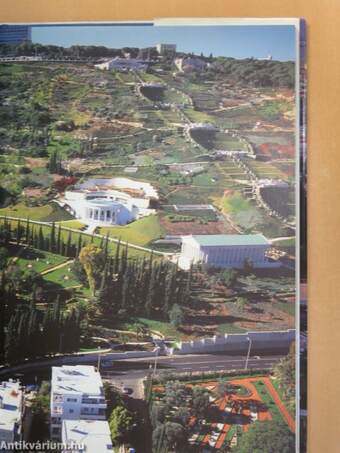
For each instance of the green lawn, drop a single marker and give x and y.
(62, 277)
(235, 203)
(230, 328)
(133, 253)
(46, 213)
(140, 232)
(289, 242)
(286, 307)
(74, 224)
(289, 404)
(268, 401)
(36, 260)
(167, 329)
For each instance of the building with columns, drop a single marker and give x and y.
(107, 202)
(225, 251)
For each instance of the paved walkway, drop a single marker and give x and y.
(54, 268)
(90, 229)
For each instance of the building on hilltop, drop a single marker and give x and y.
(93, 435)
(188, 64)
(76, 394)
(124, 64)
(11, 411)
(105, 201)
(225, 251)
(164, 49)
(15, 34)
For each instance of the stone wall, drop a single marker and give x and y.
(238, 343)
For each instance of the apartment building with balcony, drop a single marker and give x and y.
(76, 394)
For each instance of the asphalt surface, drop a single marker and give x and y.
(130, 373)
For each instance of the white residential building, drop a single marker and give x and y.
(11, 411)
(93, 436)
(225, 251)
(190, 63)
(166, 48)
(76, 394)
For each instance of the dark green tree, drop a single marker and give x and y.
(267, 437)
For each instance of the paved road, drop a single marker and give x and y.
(130, 373)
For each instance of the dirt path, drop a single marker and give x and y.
(54, 268)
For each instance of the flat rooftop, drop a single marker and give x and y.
(78, 379)
(219, 240)
(10, 410)
(93, 434)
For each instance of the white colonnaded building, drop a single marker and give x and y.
(225, 251)
(110, 201)
(76, 394)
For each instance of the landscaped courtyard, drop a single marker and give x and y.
(234, 404)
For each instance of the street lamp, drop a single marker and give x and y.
(248, 353)
(99, 359)
(155, 364)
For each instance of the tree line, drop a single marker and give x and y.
(29, 332)
(33, 235)
(146, 287)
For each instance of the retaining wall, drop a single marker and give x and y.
(237, 343)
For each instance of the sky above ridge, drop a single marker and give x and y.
(238, 41)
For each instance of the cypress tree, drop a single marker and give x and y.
(58, 246)
(27, 232)
(69, 245)
(116, 261)
(52, 238)
(35, 343)
(106, 247)
(22, 334)
(151, 293)
(41, 245)
(2, 313)
(52, 165)
(19, 232)
(11, 340)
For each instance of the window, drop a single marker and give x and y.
(70, 411)
(71, 400)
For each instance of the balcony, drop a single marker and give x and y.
(87, 413)
(57, 411)
(97, 401)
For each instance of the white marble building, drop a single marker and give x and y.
(225, 251)
(107, 202)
